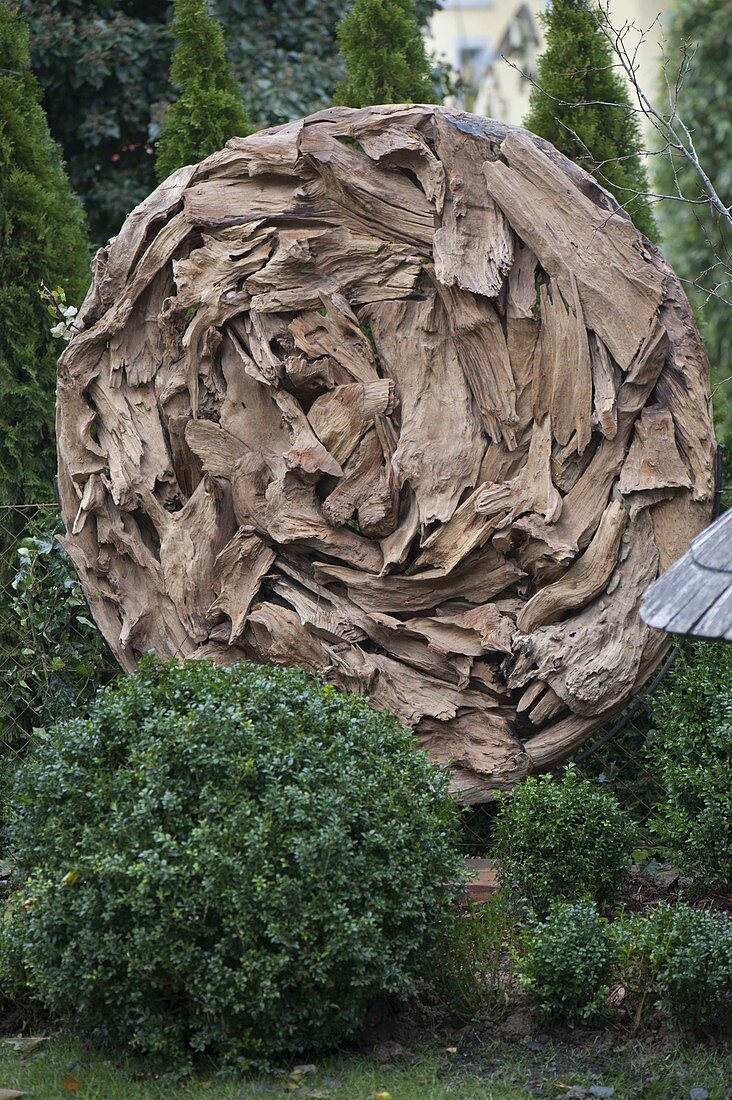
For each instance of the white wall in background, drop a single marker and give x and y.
(481, 38)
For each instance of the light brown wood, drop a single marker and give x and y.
(584, 579)
(399, 395)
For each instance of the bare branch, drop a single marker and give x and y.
(670, 126)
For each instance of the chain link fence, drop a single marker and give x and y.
(619, 756)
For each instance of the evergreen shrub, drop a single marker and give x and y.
(690, 751)
(561, 839)
(566, 962)
(679, 959)
(210, 108)
(384, 55)
(42, 238)
(225, 861)
(468, 967)
(581, 103)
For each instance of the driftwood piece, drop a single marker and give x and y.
(584, 579)
(237, 576)
(480, 345)
(399, 395)
(653, 467)
(562, 385)
(473, 246)
(441, 441)
(593, 658)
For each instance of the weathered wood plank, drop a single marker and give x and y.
(473, 247)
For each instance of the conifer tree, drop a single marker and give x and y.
(210, 108)
(384, 55)
(42, 239)
(696, 240)
(575, 80)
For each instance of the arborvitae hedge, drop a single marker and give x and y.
(384, 55)
(42, 238)
(210, 108)
(695, 239)
(576, 76)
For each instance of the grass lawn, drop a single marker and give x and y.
(481, 1068)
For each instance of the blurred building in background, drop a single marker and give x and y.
(493, 48)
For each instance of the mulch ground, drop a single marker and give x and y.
(643, 891)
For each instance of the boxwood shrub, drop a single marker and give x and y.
(229, 861)
(679, 959)
(566, 962)
(561, 838)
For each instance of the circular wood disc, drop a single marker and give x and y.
(399, 395)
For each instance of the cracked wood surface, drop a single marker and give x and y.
(400, 395)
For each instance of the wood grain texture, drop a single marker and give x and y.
(695, 596)
(399, 395)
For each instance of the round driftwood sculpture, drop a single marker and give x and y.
(399, 395)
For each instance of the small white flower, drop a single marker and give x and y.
(67, 328)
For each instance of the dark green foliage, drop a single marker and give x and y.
(566, 962)
(257, 856)
(384, 55)
(726, 501)
(575, 77)
(565, 838)
(691, 754)
(679, 959)
(621, 766)
(52, 656)
(104, 67)
(42, 238)
(696, 240)
(468, 965)
(209, 109)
